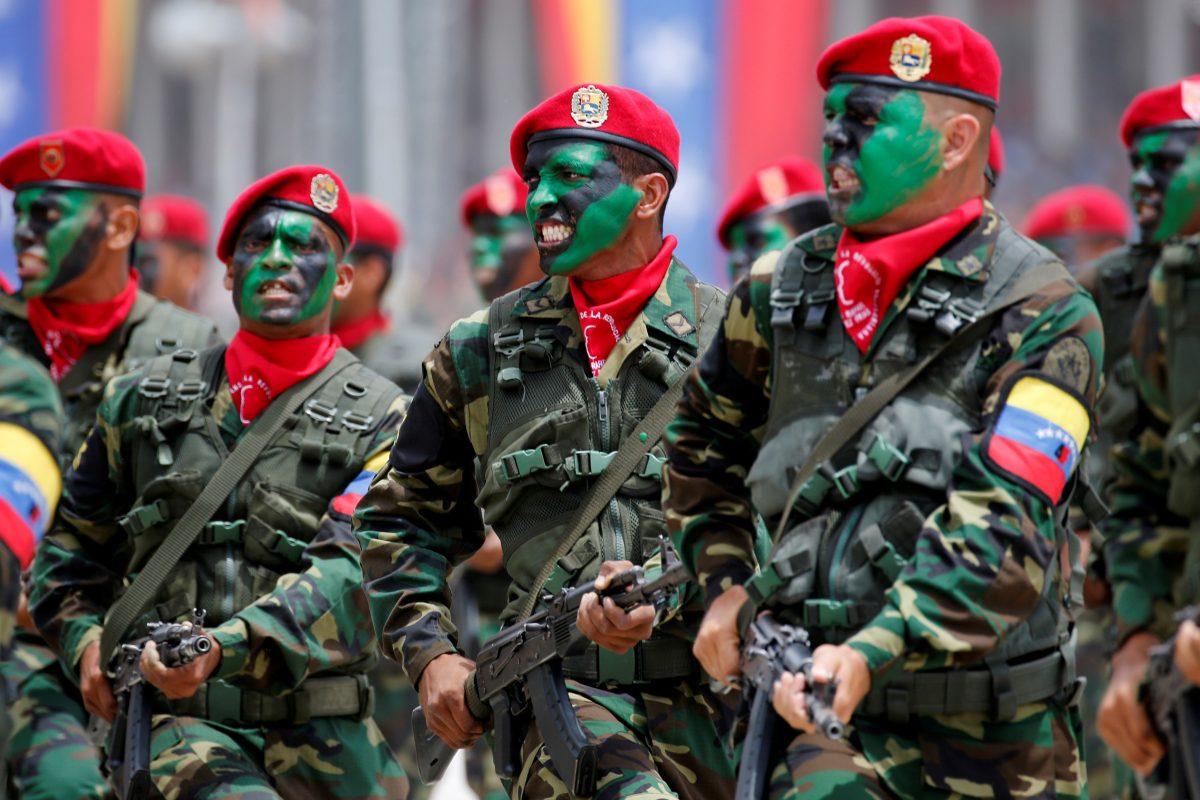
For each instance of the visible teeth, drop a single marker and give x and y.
(843, 178)
(552, 234)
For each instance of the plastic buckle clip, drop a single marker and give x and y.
(153, 387)
(354, 421)
(320, 411)
(888, 458)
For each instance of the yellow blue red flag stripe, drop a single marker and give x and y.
(30, 484)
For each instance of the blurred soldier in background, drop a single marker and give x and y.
(1079, 224)
(923, 552)
(172, 248)
(995, 162)
(391, 348)
(1152, 540)
(776, 204)
(503, 256)
(81, 314)
(296, 426)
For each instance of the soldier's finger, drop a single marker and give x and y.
(597, 617)
(637, 619)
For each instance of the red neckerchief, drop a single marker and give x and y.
(357, 331)
(67, 330)
(261, 369)
(607, 307)
(870, 274)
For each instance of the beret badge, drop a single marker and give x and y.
(589, 107)
(51, 157)
(500, 194)
(772, 183)
(911, 58)
(324, 192)
(1189, 98)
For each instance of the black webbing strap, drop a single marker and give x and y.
(258, 435)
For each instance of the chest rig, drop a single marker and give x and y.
(154, 328)
(551, 430)
(1180, 265)
(178, 445)
(860, 515)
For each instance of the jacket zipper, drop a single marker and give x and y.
(613, 512)
(849, 525)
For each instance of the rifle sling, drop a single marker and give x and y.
(636, 445)
(254, 441)
(859, 415)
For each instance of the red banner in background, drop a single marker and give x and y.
(89, 45)
(772, 100)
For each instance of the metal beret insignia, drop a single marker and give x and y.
(772, 184)
(1189, 98)
(52, 156)
(323, 191)
(911, 58)
(500, 195)
(589, 107)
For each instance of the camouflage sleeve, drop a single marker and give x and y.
(983, 559)
(83, 560)
(30, 438)
(315, 620)
(419, 517)
(1144, 544)
(715, 438)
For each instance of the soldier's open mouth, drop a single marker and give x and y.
(275, 290)
(842, 181)
(551, 235)
(31, 264)
(1147, 209)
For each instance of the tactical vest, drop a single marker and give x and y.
(272, 515)
(551, 430)
(153, 328)
(859, 517)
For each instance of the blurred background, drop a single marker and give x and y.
(413, 100)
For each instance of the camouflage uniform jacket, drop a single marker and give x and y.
(420, 517)
(1150, 540)
(154, 327)
(982, 559)
(309, 615)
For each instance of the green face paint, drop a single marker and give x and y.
(878, 150)
(751, 238)
(284, 268)
(1166, 183)
(578, 203)
(57, 235)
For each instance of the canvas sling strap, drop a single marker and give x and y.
(627, 458)
(258, 435)
(859, 415)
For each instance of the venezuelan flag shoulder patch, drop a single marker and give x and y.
(1038, 434)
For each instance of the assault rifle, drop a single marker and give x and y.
(129, 738)
(1174, 705)
(518, 679)
(771, 649)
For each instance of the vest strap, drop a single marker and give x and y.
(771, 578)
(880, 552)
(822, 613)
(989, 691)
(335, 696)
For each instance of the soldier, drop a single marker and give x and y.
(503, 256)
(924, 553)
(995, 162)
(394, 351)
(1079, 224)
(280, 706)
(540, 389)
(776, 204)
(1151, 540)
(30, 427)
(172, 242)
(81, 314)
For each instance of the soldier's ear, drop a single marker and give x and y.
(345, 279)
(654, 189)
(122, 228)
(227, 281)
(961, 137)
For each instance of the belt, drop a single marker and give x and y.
(657, 659)
(993, 691)
(336, 696)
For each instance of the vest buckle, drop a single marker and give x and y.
(816, 316)
(191, 389)
(165, 345)
(890, 461)
(845, 481)
(509, 343)
(784, 303)
(958, 313)
(153, 387)
(320, 411)
(354, 421)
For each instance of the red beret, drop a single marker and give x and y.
(77, 158)
(1176, 105)
(933, 54)
(606, 113)
(1074, 210)
(374, 225)
(174, 218)
(771, 185)
(995, 161)
(310, 188)
(501, 193)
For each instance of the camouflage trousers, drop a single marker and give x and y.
(1037, 754)
(661, 742)
(330, 757)
(395, 699)
(50, 754)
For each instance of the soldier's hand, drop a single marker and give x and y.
(183, 681)
(1122, 720)
(845, 666)
(1187, 651)
(442, 688)
(719, 642)
(607, 624)
(93, 683)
